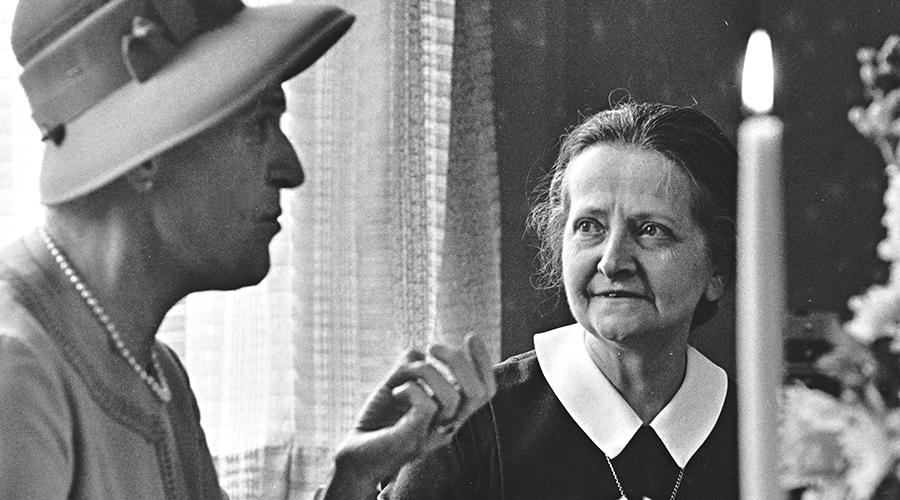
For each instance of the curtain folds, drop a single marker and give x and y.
(392, 241)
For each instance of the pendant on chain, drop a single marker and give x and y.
(622, 491)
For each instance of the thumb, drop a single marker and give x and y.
(422, 409)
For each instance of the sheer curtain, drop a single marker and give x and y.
(392, 241)
(20, 144)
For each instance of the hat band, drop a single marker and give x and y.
(121, 41)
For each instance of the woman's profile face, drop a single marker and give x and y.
(217, 200)
(635, 263)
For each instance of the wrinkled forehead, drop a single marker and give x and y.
(632, 164)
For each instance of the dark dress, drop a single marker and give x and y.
(525, 445)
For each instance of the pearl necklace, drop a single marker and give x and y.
(622, 492)
(160, 387)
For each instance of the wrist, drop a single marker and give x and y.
(352, 480)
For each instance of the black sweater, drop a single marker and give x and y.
(524, 445)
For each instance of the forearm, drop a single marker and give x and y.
(438, 476)
(350, 484)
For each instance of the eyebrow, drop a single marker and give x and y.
(660, 215)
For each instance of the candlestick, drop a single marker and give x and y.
(760, 279)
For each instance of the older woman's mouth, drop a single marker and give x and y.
(621, 294)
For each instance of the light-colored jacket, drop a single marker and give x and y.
(76, 422)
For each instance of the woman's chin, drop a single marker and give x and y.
(615, 324)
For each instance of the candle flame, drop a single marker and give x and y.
(758, 78)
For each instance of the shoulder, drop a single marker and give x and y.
(30, 362)
(713, 470)
(28, 353)
(520, 384)
(17, 320)
(23, 339)
(34, 382)
(19, 286)
(524, 368)
(517, 369)
(729, 415)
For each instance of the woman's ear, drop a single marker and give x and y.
(141, 178)
(715, 288)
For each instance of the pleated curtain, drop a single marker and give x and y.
(392, 242)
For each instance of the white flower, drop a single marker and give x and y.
(835, 448)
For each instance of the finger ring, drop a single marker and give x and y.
(462, 398)
(447, 429)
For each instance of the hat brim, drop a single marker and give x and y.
(215, 75)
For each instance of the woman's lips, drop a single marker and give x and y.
(621, 294)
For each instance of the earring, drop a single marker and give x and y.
(145, 186)
(714, 289)
(141, 178)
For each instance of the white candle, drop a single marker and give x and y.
(760, 278)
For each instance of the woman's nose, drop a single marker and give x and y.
(284, 168)
(617, 260)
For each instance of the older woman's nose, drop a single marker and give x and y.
(617, 260)
(284, 169)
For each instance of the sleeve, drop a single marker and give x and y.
(466, 469)
(35, 433)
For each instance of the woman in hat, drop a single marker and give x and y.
(161, 177)
(638, 229)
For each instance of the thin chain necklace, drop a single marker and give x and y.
(159, 385)
(622, 492)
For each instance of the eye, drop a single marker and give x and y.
(587, 226)
(654, 230)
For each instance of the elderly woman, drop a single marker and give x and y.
(161, 177)
(638, 227)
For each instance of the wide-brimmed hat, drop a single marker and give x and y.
(113, 83)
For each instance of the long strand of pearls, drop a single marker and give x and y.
(160, 387)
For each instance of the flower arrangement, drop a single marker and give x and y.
(845, 444)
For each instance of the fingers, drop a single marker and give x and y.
(414, 426)
(369, 454)
(482, 359)
(414, 367)
(419, 407)
(472, 371)
(443, 391)
(422, 407)
(458, 380)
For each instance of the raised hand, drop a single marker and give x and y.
(418, 408)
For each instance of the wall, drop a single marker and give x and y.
(555, 62)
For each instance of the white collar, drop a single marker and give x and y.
(601, 412)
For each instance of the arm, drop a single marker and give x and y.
(415, 411)
(464, 470)
(35, 435)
